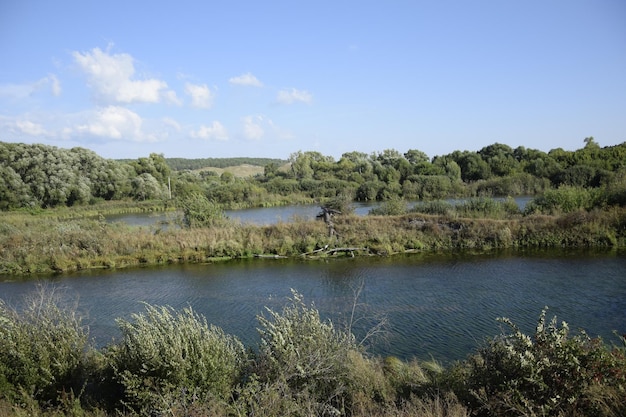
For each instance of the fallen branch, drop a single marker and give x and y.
(270, 256)
(351, 250)
(315, 251)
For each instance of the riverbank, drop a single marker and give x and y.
(49, 242)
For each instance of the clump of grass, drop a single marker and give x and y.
(436, 207)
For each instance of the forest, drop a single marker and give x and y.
(40, 176)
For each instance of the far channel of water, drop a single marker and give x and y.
(268, 215)
(439, 305)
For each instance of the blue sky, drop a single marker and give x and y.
(198, 79)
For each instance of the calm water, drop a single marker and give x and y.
(269, 215)
(442, 306)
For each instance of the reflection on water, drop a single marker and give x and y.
(436, 305)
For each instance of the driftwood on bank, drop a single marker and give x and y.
(351, 250)
(322, 251)
(258, 255)
(334, 251)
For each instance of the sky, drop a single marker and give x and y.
(213, 79)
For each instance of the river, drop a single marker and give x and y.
(442, 306)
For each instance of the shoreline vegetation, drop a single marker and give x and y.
(172, 362)
(61, 241)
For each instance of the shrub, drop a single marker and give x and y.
(565, 199)
(548, 374)
(168, 357)
(198, 211)
(393, 207)
(305, 354)
(42, 349)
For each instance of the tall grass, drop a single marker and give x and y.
(36, 244)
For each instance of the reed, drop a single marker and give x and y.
(43, 244)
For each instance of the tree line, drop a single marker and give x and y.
(44, 176)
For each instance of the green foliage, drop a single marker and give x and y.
(305, 353)
(512, 185)
(146, 187)
(43, 176)
(427, 187)
(342, 202)
(393, 207)
(43, 349)
(437, 207)
(549, 373)
(487, 208)
(46, 176)
(565, 199)
(199, 211)
(165, 355)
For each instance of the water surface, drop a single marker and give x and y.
(439, 305)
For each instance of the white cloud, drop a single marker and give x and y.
(293, 95)
(111, 77)
(201, 95)
(30, 128)
(216, 131)
(246, 79)
(252, 128)
(55, 85)
(112, 122)
(22, 91)
(171, 97)
(168, 121)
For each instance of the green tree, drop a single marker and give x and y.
(415, 156)
(500, 158)
(473, 167)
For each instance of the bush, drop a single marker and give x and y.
(166, 357)
(43, 349)
(198, 211)
(306, 355)
(547, 374)
(565, 199)
(393, 207)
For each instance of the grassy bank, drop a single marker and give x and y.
(54, 242)
(173, 363)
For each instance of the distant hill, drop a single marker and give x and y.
(179, 164)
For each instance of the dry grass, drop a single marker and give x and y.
(43, 244)
(239, 171)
